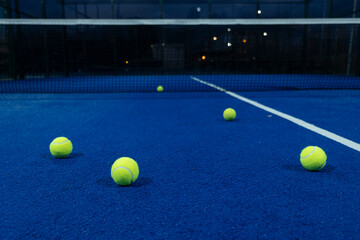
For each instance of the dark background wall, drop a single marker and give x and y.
(179, 9)
(27, 51)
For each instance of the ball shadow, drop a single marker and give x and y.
(224, 121)
(72, 155)
(71, 159)
(299, 168)
(108, 182)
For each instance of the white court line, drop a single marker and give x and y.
(295, 120)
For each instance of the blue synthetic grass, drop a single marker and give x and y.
(200, 177)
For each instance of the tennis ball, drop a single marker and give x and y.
(229, 114)
(313, 158)
(61, 147)
(124, 171)
(160, 89)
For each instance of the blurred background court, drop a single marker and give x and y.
(89, 70)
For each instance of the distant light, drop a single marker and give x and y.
(229, 44)
(152, 45)
(265, 34)
(259, 12)
(244, 40)
(203, 57)
(214, 38)
(127, 62)
(163, 44)
(229, 29)
(198, 9)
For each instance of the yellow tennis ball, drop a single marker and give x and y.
(229, 114)
(61, 147)
(160, 89)
(313, 158)
(124, 171)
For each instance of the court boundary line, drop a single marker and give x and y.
(227, 22)
(297, 121)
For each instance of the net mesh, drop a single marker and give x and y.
(138, 55)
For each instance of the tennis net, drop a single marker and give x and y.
(84, 55)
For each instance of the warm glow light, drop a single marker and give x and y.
(259, 12)
(244, 40)
(127, 62)
(214, 38)
(265, 34)
(229, 44)
(203, 57)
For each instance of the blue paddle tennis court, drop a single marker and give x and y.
(201, 177)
